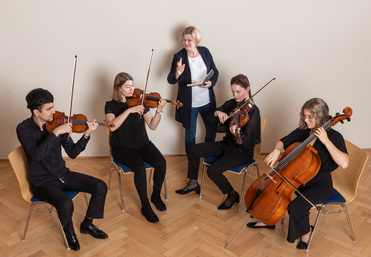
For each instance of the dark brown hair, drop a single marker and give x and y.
(242, 81)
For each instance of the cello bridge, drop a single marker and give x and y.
(270, 177)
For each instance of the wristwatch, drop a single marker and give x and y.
(159, 113)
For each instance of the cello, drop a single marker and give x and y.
(268, 197)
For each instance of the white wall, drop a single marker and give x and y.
(314, 48)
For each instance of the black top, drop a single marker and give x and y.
(183, 114)
(132, 132)
(44, 153)
(249, 133)
(327, 163)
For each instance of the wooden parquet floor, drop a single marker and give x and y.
(189, 227)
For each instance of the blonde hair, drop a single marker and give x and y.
(120, 79)
(318, 108)
(195, 33)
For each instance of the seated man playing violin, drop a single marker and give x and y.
(236, 148)
(49, 176)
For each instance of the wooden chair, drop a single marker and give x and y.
(239, 169)
(19, 164)
(119, 168)
(345, 183)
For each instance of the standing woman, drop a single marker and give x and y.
(190, 65)
(332, 152)
(130, 143)
(228, 151)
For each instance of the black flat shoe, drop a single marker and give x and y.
(228, 203)
(253, 225)
(156, 200)
(73, 244)
(187, 190)
(93, 231)
(302, 244)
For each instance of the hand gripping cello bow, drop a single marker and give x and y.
(268, 197)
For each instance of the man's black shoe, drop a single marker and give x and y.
(93, 231)
(73, 244)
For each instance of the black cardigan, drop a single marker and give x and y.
(183, 114)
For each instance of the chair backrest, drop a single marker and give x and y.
(346, 180)
(19, 164)
(258, 147)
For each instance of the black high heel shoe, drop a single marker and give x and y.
(228, 203)
(187, 190)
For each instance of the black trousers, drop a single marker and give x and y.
(316, 190)
(134, 160)
(229, 156)
(52, 192)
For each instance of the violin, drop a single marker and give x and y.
(268, 197)
(239, 117)
(150, 100)
(78, 122)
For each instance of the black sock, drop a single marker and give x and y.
(86, 222)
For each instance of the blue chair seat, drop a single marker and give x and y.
(127, 170)
(336, 197)
(70, 194)
(238, 169)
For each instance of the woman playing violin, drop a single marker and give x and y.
(130, 143)
(332, 152)
(229, 153)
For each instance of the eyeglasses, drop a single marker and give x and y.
(309, 117)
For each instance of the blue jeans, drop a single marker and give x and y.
(190, 134)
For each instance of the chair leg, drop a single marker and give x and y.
(86, 199)
(110, 174)
(315, 226)
(242, 189)
(238, 233)
(257, 169)
(64, 234)
(121, 196)
(28, 221)
(349, 224)
(165, 189)
(202, 180)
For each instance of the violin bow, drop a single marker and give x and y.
(72, 87)
(149, 68)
